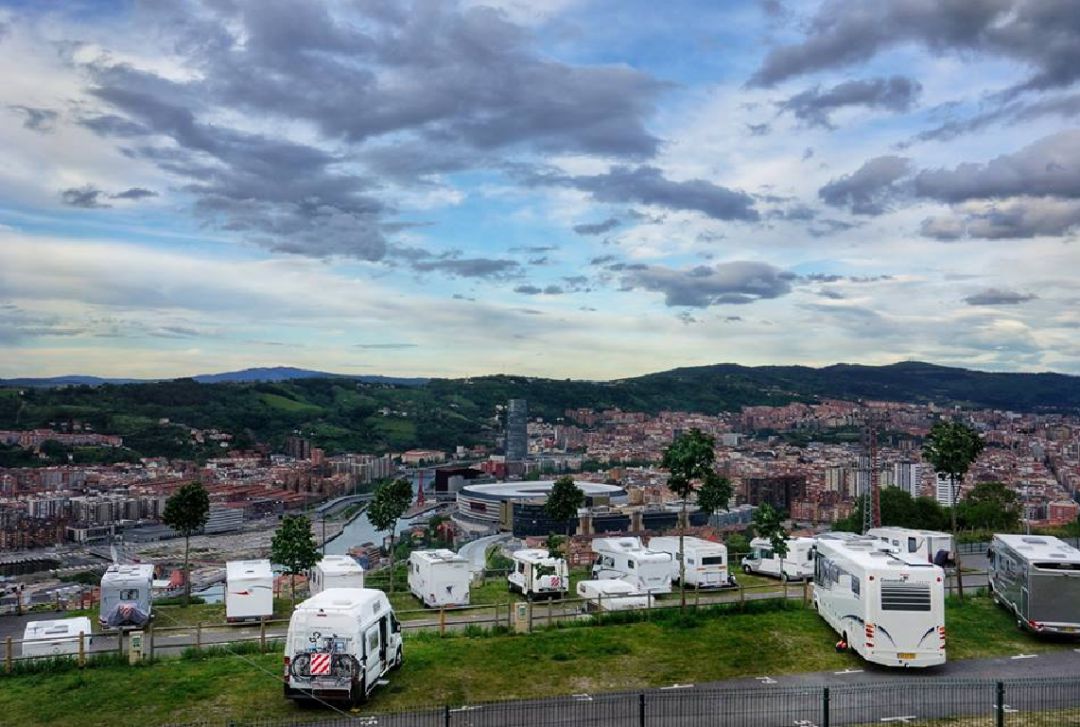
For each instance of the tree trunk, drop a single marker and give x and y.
(955, 543)
(187, 572)
(392, 528)
(682, 559)
(292, 589)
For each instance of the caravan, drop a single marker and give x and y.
(126, 596)
(935, 547)
(538, 575)
(249, 590)
(340, 644)
(1038, 579)
(56, 638)
(797, 564)
(335, 571)
(628, 560)
(439, 578)
(888, 607)
(612, 595)
(706, 561)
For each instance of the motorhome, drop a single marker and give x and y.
(56, 638)
(439, 578)
(706, 561)
(936, 547)
(628, 560)
(341, 643)
(335, 571)
(612, 595)
(249, 590)
(536, 574)
(797, 564)
(126, 596)
(1038, 579)
(888, 607)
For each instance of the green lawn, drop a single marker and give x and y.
(284, 403)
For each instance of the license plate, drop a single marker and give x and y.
(1068, 629)
(905, 655)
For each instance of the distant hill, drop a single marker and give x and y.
(274, 373)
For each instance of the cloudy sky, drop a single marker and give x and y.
(567, 188)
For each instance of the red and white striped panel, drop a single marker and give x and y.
(320, 664)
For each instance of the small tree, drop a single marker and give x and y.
(553, 543)
(689, 460)
(563, 502)
(186, 512)
(391, 501)
(951, 448)
(293, 548)
(769, 524)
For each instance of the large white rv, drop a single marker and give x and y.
(341, 642)
(335, 571)
(56, 638)
(935, 547)
(612, 595)
(706, 561)
(1038, 579)
(537, 575)
(888, 607)
(797, 563)
(626, 559)
(439, 577)
(126, 596)
(249, 590)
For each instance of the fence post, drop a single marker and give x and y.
(446, 715)
(530, 616)
(742, 597)
(641, 709)
(825, 707)
(805, 591)
(120, 641)
(697, 596)
(442, 621)
(9, 654)
(82, 649)
(198, 636)
(1000, 706)
(150, 638)
(496, 614)
(262, 635)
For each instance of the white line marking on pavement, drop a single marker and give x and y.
(849, 671)
(904, 720)
(679, 686)
(1023, 656)
(464, 708)
(766, 680)
(582, 697)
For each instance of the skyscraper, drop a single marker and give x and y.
(517, 436)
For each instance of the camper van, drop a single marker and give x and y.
(249, 590)
(439, 578)
(335, 571)
(537, 575)
(934, 546)
(888, 607)
(612, 595)
(798, 563)
(706, 561)
(126, 596)
(1038, 579)
(56, 638)
(341, 643)
(628, 560)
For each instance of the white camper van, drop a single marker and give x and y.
(798, 563)
(935, 547)
(126, 596)
(56, 638)
(341, 642)
(628, 560)
(706, 561)
(249, 590)
(888, 607)
(1037, 577)
(612, 595)
(439, 578)
(537, 575)
(335, 571)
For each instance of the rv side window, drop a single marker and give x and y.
(713, 560)
(630, 564)
(373, 641)
(855, 586)
(129, 594)
(911, 545)
(520, 567)
(607, 561)
(766, 554)
(545, 570)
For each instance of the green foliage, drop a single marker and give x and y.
(391, 501)
(737, 543)
(188, 509)
(563, 502)
(951, 448)
(689, 459)
(554, 544)
(989, 506)
(899, 509)
(714, 494)
(769, 524)
(293, 547)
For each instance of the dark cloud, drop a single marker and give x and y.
(88, 197)
(597, 228)
(603, 260)
(535, 248)
(797, 213)
(542, 260)
(758, 129)
(535, 290)
(37, 119)
(995, 296)
(738, 282)
(814, 106)
(469, 267)
(868, 190)
(134, 193)
(1016, 218)
(459, 296)
(831, 294)
(114, 126)
(1014, 112)
(829, 226)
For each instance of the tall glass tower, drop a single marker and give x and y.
(517, 437)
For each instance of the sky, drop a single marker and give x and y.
(564, 188)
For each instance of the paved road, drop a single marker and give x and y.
(476, 551)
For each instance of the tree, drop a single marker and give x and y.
(293, 548)
(951, 448)
(737, 543)
(689, 460)
(990, 506)
(553, 543)
(186, 512)
(769, 524)
(391, 501)
(563, 502)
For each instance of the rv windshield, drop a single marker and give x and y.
(545, 570)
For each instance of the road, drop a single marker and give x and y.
(476, 551)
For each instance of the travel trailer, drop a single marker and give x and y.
(537, 575)
(439, 578)
(612, 595)
(341, 643)
(1038, 579)
(56, 638)
(706, 561)
(126, 596)
(335, 571)
(249, 590)
(627, 559)
(798, 563)
(888, 607)
(936, 547)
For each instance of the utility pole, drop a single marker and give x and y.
(872, 499)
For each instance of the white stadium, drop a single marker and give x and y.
(483, 503)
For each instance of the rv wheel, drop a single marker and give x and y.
(783, 577)
(357, 694)
(746, 569)
(399, 659)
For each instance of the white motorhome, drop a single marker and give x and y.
(628, 560)
(1038, 579)
(888, 607)
(56, 638)
(341, 642)
(612, 595)
(126, 596)
(249, 590)
(538, 575)
(335, 571)
(936, 547)
(797, 564)
(439, 578)
(706, 561)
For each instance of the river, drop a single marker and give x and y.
(360, 530)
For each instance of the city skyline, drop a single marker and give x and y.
(575, 188)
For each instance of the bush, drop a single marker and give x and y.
(178, 601)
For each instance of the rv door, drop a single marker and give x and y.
(373, 650)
